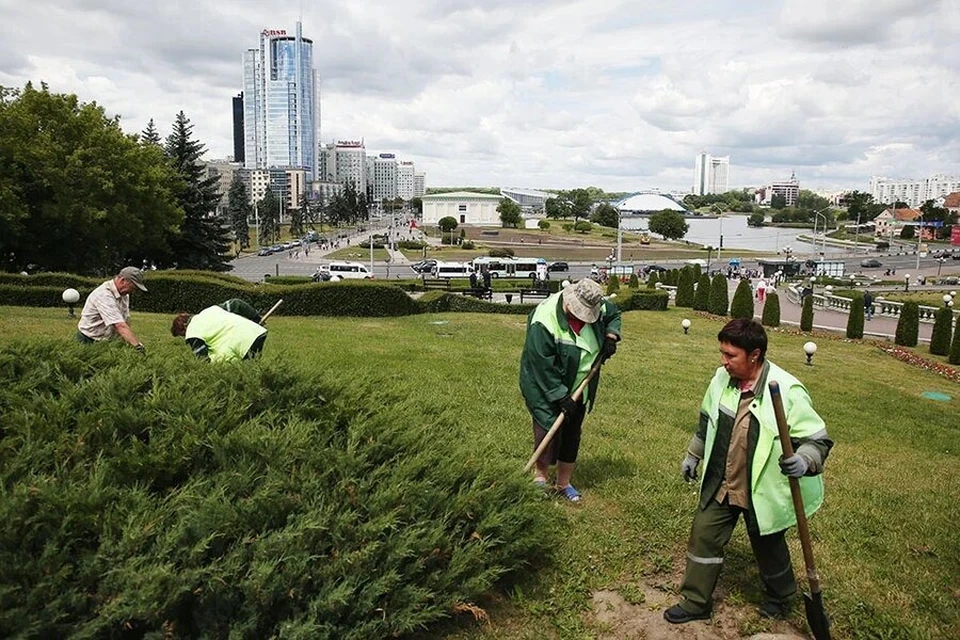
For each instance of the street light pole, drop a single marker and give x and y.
(919, 237)
(619, 236)
(720, 217)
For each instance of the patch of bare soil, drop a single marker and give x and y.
(614, 618)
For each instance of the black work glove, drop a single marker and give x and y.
(568, 406)
(609, 348)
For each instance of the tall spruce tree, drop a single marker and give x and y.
(719, 296)
(855, 319)
(239, 211)
(940, 338)
(701, 299)
(806, 314)
(685, 288)
(771, 311)
(908, 326)
(203, 241)
(150, 135)
(742, 306)
(268, 209)
(954, 356)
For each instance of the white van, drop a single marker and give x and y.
(452, 270)
(348, 271)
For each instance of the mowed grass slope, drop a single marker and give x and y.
(886, 541)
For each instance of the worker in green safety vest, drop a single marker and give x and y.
(224, 332)
(566, 333)
(745, 474)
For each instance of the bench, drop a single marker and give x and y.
(479, 293)
(534, 293)
(435, 283)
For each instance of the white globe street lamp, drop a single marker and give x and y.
(686, 325)
(71, 297)
(810, 348)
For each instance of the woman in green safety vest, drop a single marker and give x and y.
(745, 474)
(224, 332)
(565, 335)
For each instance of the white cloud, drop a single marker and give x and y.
(543, 93)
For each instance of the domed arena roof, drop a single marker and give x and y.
(647, 202)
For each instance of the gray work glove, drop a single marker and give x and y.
(689, 467)
(795, 466)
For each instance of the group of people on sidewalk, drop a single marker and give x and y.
(736, 440)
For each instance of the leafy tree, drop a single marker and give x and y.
(606, 215)
(447, 224)
(908, 326)
(742, 306)
(771, 311)
(756, 220)
(807, 199)
(583, 226)
(806, 314)
(76, 193)
(855, 319)
(580, 203)
(268, 210)
(150, 135)
(509, 212)
(669, 224)
(544, 225)
(860, 206)
(556, 208)
(239, 211)
(940, 338)
(908, 233)
(685, 289)
(778, 201)
(719, 297)
(933, 213)
(203, 240)
(417, 205)
(954, 357)
(701, 299)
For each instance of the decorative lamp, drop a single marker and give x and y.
(685, 323)
(71, 297)
(810, 348)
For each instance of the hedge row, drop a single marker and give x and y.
(161, 497)
(642, 300)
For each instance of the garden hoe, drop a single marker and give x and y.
(272, 309)
(559, 421)
(813, 601)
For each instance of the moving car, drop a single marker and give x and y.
(872, 263)
(424, 266)
(559, 265)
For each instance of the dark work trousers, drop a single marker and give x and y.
(709, 535)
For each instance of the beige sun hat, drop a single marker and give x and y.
(584, 300)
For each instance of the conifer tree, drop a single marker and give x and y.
(268, 209)
(771, 310)
(940, 338)
(954, 357)
(685, 288)
(150, 134)
(239, 210)
(613, 285)
(634, 281)
(855, 319)
(204, 239)
(652, 280)
(742, 306)
(806, 314)
(908, 326)
(719, 297)
(701, 299)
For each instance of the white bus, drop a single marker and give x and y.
(452, 270)
(496, 266)
(524, 267)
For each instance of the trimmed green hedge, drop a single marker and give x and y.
(942, 332)
(442, 301)
(160, 496)
(908, 325)
(642, 300)
(771, 311)
(806, 314)
(855, 318)
(742, 305)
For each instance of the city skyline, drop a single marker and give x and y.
(546, 95)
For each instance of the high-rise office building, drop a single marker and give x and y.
(711, 174)
(238, 128)
(382, 177)
(419, 185)
(405, 182)
(281, 119)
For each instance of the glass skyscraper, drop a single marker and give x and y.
(281, 116)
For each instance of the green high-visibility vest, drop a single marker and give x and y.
(227, 335)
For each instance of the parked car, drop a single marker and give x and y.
(650, 268)
(424, 266)
(264, 251)
(871, 263)
(558, 266)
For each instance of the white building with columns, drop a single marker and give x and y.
(466, 207)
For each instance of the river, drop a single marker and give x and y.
(737, 235)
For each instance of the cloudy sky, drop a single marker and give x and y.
(543, 93)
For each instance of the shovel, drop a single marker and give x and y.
(813, 601)
(560, 418)
(272, 309)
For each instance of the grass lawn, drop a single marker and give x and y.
(886, 541)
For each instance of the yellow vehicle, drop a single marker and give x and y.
(644, 238)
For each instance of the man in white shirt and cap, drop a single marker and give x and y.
(106, 312)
